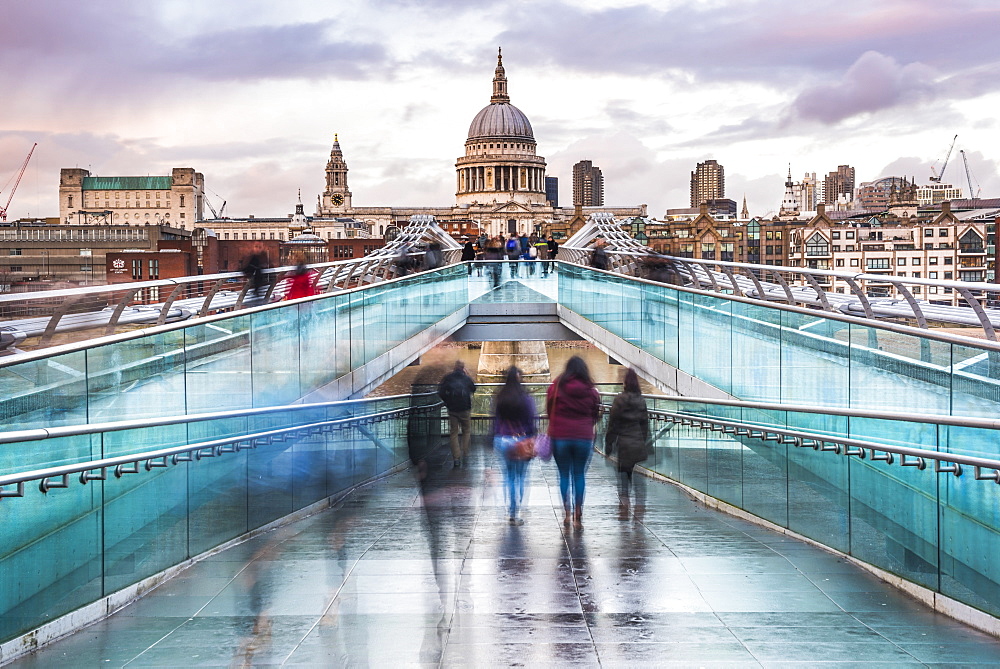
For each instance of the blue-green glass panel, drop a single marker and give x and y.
(50, 557)
(765, 476)
(317, 343)
(145, 525)
(274, 340)
(218, 365)
(137, 378)
(815, 361)
(975, 382)
(894, 519)
(47, 392)
(969, 537)
(756, 352)
(897, 371)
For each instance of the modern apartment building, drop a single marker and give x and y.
(588, 185)
(708, 182)
(839, 185)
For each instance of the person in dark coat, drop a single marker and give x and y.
(469, 254)
(627, 437)
(456, 390)
(253, 270)
(573, 406)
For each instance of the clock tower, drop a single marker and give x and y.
(336, 196)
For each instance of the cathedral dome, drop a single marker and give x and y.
(501, 119)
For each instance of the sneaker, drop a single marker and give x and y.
(458, 463)
(514, 520)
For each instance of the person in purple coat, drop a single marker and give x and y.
(573, 406)
(514, 412)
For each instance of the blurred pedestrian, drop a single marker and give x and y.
(514, 425)
(512, 250)
(253, 269)
(302, 282)
(553, 250)
(433, 256)
(494, 252)
(599, 258)
(469, 254)
(456, 390)
(627, 437)
(573, 406)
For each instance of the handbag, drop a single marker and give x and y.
(524, 449)
(543, 447)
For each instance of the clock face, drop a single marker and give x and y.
(338, 199)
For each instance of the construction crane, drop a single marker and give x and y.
(936, 178)
(973, 194)
(216, 214)
(20, 173)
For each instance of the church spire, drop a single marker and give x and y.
(499, 82)
(745, 214)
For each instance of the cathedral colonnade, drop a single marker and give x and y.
(501, 178)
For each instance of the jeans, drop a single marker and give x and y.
(572, 457)
(515, 473)
(460, 420)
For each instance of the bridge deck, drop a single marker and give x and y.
(384, 581)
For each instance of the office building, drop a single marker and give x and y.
(588, 185)
(708, 182)
(552, 191)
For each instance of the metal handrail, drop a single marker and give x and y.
(40, 433)
(169, 327)
(948, 338)
(944, 463)
(164, 457)
(956, 421)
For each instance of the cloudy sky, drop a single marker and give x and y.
(251, 93)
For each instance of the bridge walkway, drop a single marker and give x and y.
(386, 580)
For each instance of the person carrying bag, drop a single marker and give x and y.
(514, 437)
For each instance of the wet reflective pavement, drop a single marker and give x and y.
(396, 576)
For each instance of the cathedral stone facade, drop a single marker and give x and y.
(500, 182)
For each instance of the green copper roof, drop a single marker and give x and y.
(127, 183)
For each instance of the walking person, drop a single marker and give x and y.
(627, 436)
(469, 254)
(553, 251)
(542, 254)
(514, 422)
(456, 390)
(573, 406)
(513, 251)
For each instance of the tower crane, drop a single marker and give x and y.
(936, 178)
(20, 173)
(973, 194)
(217, 214)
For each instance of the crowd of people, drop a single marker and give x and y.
(573, 407)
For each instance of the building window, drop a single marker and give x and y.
(932, 260)
(245, 236)
(916, 290)
(854, 262)
(970, 276)
(225, 235)
(16, 268)
(154, 269)
(878, 263)
(182, 200)
(849, 248)
(70, 201)
(816, 245)
(849, 234)
(137, 269)
(840, 262)
(929, 232)
(15, 252)
(931, 275)
(916, 275)
(943, 232)
(85, 268)
(836, 249)
(948, 260)
(900, 261)
(948, 276)
(835, 235)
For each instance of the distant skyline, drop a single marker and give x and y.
(251, 93)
